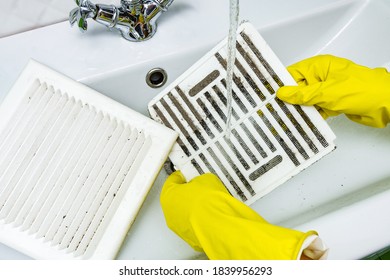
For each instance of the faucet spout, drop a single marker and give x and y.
(134, 19)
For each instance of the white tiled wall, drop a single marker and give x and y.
(22, 15)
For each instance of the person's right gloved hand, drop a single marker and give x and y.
(336, 85)
(205, 215)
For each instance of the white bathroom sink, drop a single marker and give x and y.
(345, 196)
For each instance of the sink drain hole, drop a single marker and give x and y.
(156, 78)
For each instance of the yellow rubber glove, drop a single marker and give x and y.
(337, 85)
(208, 218)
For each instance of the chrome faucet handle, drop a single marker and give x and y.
(85, 10)
(134, 19)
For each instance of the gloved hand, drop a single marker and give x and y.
(337, 85)
(208, 218)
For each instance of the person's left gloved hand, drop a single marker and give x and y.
(336, 85)
(208, 218)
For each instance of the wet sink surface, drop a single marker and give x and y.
(348, 187)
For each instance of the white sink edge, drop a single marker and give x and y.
(345, 231)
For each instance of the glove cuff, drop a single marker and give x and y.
(313, 248)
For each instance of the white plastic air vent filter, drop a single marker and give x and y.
(270, 141)
(75, 167)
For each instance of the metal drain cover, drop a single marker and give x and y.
(270, 141)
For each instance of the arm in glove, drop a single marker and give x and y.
(337, 85)
(209, 219)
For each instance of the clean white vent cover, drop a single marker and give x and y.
(75, 167)
(270, 141)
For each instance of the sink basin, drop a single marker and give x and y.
(344, 196)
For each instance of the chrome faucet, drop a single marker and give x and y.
(135, 19)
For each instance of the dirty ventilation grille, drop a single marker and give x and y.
(270, 141)
(65, 168)
(60, 169)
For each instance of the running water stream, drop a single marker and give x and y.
(231, 57)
